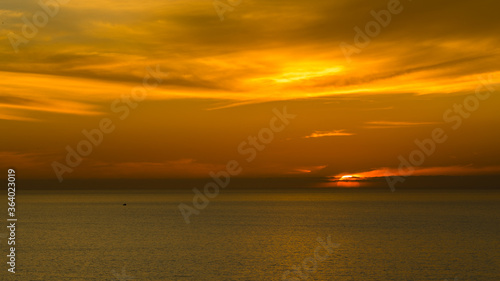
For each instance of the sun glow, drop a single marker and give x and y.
(349, 181)
(349, 177)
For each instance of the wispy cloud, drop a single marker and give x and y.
(467, 170)
(308, 169)
(109, 41)
(16, 117)
(334, 133)
(395, 124)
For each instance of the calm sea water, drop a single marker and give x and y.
(243, 235)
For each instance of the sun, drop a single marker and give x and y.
(349, 181)
(350, 177)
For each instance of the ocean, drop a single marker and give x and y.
(317, 234)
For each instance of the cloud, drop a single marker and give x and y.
(334, 133)
(467, 170)
(262, 52)
(16, 118)
(395, 124)
(308, 169)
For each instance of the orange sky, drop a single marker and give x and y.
(221, 80)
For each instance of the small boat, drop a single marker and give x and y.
(124, 204)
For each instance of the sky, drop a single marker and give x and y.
(363, 92)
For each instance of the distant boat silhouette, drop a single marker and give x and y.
(124, 204)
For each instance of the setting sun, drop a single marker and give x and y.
(349, 181)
